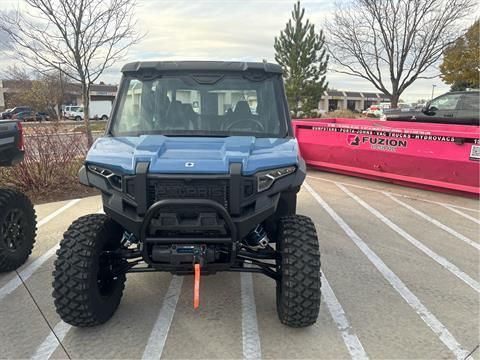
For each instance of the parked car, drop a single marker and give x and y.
(42, 116)
(24, 116)
(5, 113)
(373, 111)
(31, 116)
(16, 241)
(460, 107)
(9, 114)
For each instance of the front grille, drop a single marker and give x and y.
(211, 189)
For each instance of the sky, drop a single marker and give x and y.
(226, 30)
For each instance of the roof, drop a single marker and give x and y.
(370, 95)
(335, 93)
(472, 91)
(104, 87)
(353, 94)
(221, 66)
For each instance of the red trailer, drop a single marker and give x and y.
(433, 156)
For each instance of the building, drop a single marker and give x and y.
(72, 94)
(355, 101)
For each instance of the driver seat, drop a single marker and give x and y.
(242, 112)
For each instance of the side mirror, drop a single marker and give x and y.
(429, 110)
(425, 108)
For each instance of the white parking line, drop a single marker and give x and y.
(353, 344)
(158, 336)
(29, 269)
(435, 222)
(251, 340)
(438, 328)
(57, 212)
(52, 341)
(396, 194)
(433, 255)
(55, 337)
(456, 211)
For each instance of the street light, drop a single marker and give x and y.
(433, 89)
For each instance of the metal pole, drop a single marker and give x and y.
(433, 89)
(62, 95)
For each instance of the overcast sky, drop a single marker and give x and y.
(226, 30)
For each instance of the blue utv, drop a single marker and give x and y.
(199, 172)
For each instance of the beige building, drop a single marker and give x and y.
(351, 100)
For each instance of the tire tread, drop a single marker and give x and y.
(73, 296)
(298, 295)
(9, 197)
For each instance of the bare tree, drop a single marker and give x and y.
(40, 91)
(392, 43)
(79, 38)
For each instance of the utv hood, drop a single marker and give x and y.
(193, 155)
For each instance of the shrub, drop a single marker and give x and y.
(51, 163)
(342, 114)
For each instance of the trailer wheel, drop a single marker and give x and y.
(17, 229)
(88, 283)
(298, 289)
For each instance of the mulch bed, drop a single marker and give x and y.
(75, 191)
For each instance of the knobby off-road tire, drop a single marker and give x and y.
(85, 290)
(298, 290)
(18, 227)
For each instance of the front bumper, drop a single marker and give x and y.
(246, 207)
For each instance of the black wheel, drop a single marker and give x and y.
(298, 289)
(78, 118)
(104, 117)
(88, 282)
(17, 229)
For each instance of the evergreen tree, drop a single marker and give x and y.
(302, 54)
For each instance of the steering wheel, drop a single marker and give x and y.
(257, 124)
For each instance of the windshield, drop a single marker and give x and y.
(200, 105)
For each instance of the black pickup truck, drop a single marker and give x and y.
(11, 143)
(17, 215)
(456, 108)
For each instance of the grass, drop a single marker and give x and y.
(94, 126)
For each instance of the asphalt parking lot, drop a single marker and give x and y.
(400, 280)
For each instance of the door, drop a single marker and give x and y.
(469, 109)
(443, 109)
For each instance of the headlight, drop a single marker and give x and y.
(114, 179)
(265, 179)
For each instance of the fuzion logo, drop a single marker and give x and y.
(384, 141)
(353, 140)
(377, 143)
(384, 144)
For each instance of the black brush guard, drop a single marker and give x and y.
(230, 241)
(258, 261)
